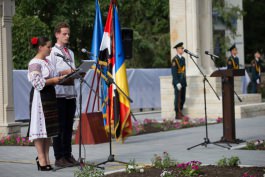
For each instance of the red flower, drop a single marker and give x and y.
(34, 41)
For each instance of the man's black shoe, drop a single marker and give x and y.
(72, 160)
(62, 162)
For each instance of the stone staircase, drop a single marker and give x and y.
(250, 106)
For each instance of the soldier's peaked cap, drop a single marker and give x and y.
(178, 45)
(232, 47)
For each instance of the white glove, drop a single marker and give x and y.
(258, 81)
(179, 86)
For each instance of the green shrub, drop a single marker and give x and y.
(229, 162)
(131, 166)
(250, 146)
(88, 171)
(163, 162)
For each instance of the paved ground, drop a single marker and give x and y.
(18, 161)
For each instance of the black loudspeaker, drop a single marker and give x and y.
(127, 42)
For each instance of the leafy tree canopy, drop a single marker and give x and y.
(254, 27)
(148, 19)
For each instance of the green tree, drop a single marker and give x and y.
(150, 22)
(148, 19)
(23, 30)
(45, 15)
(254, 27)
(227, 15)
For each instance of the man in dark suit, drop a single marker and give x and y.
(255, 72)
(178, 71)
(233, 60)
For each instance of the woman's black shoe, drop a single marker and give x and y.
(49, 167)
(43, 168)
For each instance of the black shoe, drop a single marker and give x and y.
(72, 160)
(62, 162)
(49, 167)
(43, 168)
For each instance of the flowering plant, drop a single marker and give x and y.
(34, 41)
(163, 162)
(137, 127)
(191, 168)
(15, 140)
(233, 161)
(88, 171)
(167, 174)
(151, 125)
(149, 121)
(247, 175)
(131, 166)
(219, 120)
(169, 124)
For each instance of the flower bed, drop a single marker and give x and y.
(255, 145)
(209, 171)
(15, 141)
(152, 126)
(165, 166)
(147, 126)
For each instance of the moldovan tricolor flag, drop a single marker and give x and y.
(119, 106)
(123, 124)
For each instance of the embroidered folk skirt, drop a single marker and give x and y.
(50, 114)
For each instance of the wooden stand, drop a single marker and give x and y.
(229, 132)
(93, 131)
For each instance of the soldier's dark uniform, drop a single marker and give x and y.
(232, 62)
(178, 71)
(255, 74)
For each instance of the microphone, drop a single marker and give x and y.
(188, 52)
(83, 50)
(59, 55)
(212, 55)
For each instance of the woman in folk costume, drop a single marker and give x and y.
(43, 110)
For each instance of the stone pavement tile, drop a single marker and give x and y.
(16, 161)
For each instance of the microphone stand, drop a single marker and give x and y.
(206, 139)
(81, 81)
(74, 70)
(110, 81)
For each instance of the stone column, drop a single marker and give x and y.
(191, 23)
(184, 28)
(7, 119)
(239, 39)
(206, 35)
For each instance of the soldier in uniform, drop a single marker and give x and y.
(255, 72)
(233, 60)
(178, 71)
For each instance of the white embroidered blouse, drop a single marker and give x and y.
(38, 71)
